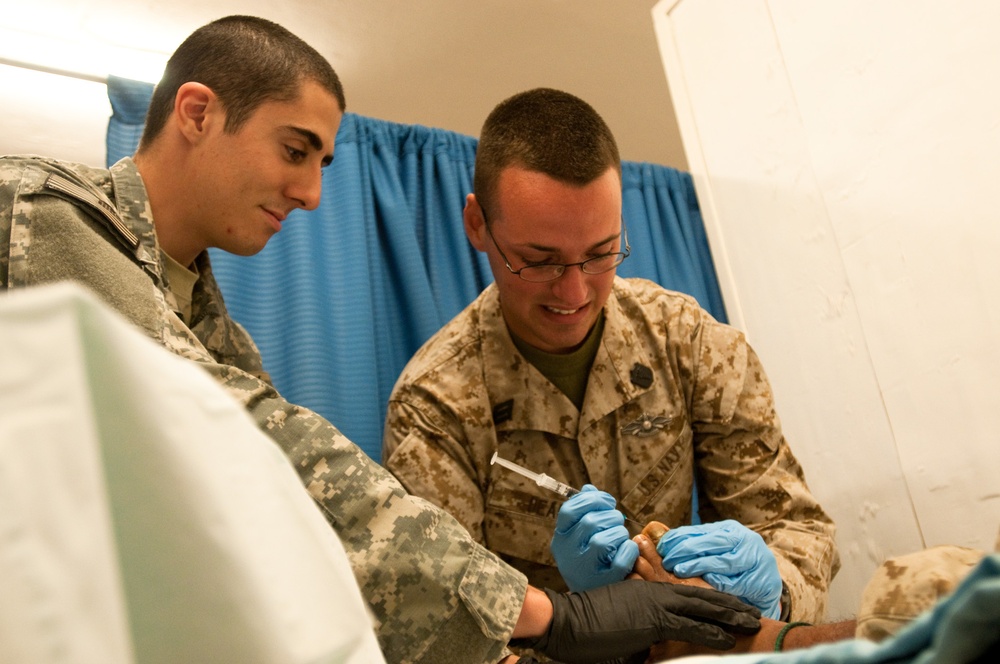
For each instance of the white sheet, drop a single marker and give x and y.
(143, 516)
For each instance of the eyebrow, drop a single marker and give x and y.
(555, 250)
(314, 140)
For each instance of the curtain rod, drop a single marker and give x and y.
(54, 70)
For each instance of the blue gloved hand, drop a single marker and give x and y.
(730, 557)
(591, 546)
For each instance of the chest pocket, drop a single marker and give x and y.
(520, 519)
(520, 516)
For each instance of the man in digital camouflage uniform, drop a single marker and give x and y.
(598, 381)
(238, 131)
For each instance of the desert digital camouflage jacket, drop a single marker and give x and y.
(903, 587)
(672, 394)
(436, 595)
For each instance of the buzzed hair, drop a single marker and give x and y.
(246, 61)
(547, 131)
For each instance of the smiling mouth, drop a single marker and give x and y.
(563, 312)
(276, 218)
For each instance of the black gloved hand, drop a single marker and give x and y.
(622, 619)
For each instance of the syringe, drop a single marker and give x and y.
(544, 481)
(541, 479)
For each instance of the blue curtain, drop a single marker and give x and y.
(129, 101)
(345, 294)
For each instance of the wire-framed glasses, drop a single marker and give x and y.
(541, 272)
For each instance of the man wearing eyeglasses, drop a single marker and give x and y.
(602, 383)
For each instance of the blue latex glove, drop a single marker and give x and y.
(730, 557)
(591, 546)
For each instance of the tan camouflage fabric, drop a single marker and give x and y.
(671, 392)
(905, 586)
(435, 594)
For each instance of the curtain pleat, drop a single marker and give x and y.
(345, 294)
(669, 245)
(129, 102)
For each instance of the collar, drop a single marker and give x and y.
(132, 203)
(522, 398)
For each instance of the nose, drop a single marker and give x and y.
(571, 286)
(306, 189)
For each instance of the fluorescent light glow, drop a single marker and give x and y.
(87, 57)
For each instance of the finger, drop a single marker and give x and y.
(602, 520)
(704, 634)
(718, 539)
(649, 556)
(581, 504)
(718, 607)
(647, 549)
(654, 530)
(732, 585)
(607, 543)
(725, 564)
(677, 547)
(731, 620)
(651, 535)
(597, 530)
(648, 564)
(625, 557)
(642, 569)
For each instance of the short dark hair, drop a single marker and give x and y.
(246, 61)
(543, 130)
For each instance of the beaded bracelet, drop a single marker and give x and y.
(780, 641)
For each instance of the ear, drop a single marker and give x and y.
(475, 223)
(197, 110)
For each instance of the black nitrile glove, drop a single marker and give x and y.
(623, 619)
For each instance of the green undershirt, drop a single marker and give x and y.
(567, 371)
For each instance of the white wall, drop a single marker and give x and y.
(845, 154)
(37, 121)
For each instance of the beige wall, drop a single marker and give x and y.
(845, 156)
(440, 63)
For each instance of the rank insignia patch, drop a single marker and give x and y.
(641, 375)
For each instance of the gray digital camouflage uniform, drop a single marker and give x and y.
(671, 393)
(436, 595)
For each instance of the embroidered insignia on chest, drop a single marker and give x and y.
(645, 425)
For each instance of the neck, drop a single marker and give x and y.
(167, 201)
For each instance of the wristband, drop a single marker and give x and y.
(780, 641)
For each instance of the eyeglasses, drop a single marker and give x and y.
(541, 272)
